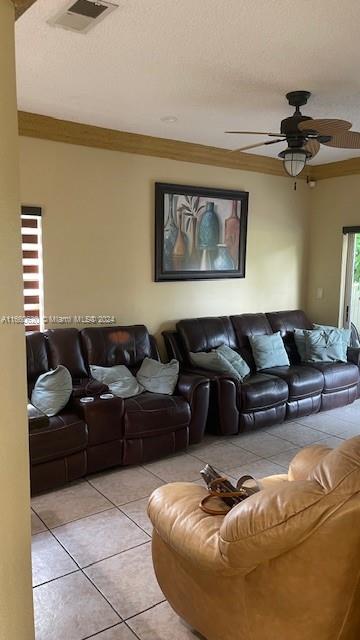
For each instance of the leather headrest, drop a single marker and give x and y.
(204, 334)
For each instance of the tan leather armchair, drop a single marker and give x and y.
(282, 565)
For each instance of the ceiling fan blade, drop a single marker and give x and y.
(256, 133)
(345, 140)
(313, 147)
(259, 144)
(325, 126)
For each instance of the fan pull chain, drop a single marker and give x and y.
(295, 185)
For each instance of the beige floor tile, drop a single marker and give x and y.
(332, 423)
(161, 623)
(70, 608)
(180, 468)
(350, 431)
(295, 433)
(120, 632)
(36, 525)
(350, 413)
(261, 443)
(49, 560)
(137, 511)
(126, 484)
(225, 456)
(330, 441)
(74, 501)
(97, 537)
(257, 469)
(283, 459)
(128, 581)
(209, 438)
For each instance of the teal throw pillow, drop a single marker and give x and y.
(158, 377)
(345, 334)
(234, 359)
(268, 351)
(325, 345)
(52, 391)
(214, 361)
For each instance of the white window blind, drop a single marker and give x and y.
(32, 268)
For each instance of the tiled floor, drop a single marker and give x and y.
(92, 569)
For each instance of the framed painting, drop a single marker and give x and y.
(200, 233)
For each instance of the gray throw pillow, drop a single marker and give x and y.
(325, 346)
(214, 361)
(52, 391)
(234, 359)
(268, 351)
(157, 377)
(119, 379)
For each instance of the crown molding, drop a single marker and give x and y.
(21, 6)
(348, 167)
(46, 128)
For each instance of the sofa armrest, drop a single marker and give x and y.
(224, 402)
(189, 383)
(101, 416)
(306, 460)
(196, 390)
(36, 418)
(175, 514)
(353, 355)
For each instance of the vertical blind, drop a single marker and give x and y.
(32, 267)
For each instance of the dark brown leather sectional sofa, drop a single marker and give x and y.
(270, 396)
(85, 438)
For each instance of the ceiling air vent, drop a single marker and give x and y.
(82, 15)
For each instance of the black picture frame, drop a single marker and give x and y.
(197, 256)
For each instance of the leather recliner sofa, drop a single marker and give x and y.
(85, 438)
(272, 395)
(282, 564)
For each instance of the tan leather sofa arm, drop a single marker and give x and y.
(306, 460)
(175, 514)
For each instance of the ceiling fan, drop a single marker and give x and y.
(304, 135)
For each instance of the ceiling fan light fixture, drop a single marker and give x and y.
(294, 160)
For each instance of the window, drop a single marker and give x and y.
(32, 268)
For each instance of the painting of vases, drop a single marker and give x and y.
(200, 233)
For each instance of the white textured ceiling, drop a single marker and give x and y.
(214, 64)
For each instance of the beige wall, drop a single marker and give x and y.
(16, 620)
(335, 203)
(98, 235)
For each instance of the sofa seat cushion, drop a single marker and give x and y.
(303, 381)
(154, 413)
(65, 434)
(261, 391)
(337, 375)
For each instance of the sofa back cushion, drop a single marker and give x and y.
(204, 334)
(286, 322)
(246, 325)
(36, 357)
(64, 348)
(109, 346)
